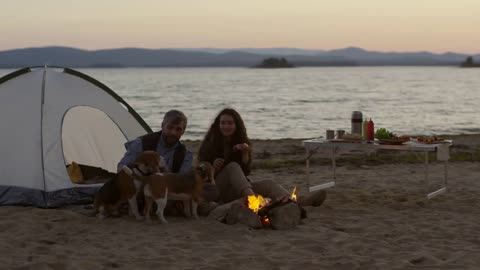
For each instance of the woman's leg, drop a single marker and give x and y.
(270, 189)
(232, 183)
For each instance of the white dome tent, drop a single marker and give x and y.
(50, 117)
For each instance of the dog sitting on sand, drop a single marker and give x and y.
(187, 187)
(123, 187)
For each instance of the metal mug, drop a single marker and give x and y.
(330, 134)
(357, 122)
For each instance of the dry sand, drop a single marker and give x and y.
(375, 218)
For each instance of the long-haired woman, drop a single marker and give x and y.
(227, 146)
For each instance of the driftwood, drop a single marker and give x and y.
(283, 215)
(241, 214)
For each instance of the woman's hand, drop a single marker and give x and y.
(218, 164)
(243, 147)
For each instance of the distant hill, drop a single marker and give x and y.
(206, 57)
(262, 51)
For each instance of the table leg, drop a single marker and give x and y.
(427, 183)
(321, 186)
(334, 164)
(443, 189)
(445, 176)
(307, 170)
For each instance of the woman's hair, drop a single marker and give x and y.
(213, 145)
(239, 136)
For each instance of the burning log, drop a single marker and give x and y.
(283, 215)
(262, 212)
(240, 214)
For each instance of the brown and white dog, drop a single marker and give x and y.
(187, 187)
(124, 187)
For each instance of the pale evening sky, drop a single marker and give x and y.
(382, 25)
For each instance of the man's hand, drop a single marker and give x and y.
(243, 147)
(218, 164)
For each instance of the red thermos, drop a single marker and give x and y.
(371, 130)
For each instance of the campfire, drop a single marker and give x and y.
(262, 206)
(257, 202)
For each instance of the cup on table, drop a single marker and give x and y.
(330, 134)
(340, 133)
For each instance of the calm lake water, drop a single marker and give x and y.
(304, 102)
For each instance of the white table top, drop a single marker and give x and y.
(407, 146)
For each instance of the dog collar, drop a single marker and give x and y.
(138, 171)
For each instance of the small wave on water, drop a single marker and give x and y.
(194, 134)
(469, 131)
(319, 101)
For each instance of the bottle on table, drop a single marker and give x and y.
(371, 130)
(365, 129)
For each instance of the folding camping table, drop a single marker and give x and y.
(333, 148)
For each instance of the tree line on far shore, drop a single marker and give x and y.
(469, 63)
(273, 62)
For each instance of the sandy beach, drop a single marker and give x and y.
(377, 217)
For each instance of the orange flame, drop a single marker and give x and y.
(255, 202)
(265, 221)
(294, 196)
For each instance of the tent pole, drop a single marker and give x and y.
(41, 131)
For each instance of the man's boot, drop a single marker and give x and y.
(314, 199)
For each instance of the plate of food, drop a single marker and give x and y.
(386, 137)
(431, 140)
(394, 140)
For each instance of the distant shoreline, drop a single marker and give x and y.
(138, 57)
(232, 66)
(470, 66)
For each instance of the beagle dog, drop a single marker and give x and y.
(124, 187)
(187, 187)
